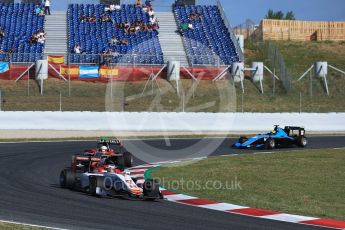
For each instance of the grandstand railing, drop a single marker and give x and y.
(104, 59)
(232, 35)
(20, 58)
(119, 59)
(139, 60)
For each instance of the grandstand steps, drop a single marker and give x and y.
(171, 42)
(56, 34)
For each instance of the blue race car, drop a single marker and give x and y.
(289, 136)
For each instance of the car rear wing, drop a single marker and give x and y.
(301, 130)
(109, 141)
(81, 158)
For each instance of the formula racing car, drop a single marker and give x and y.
(111, 147)
(104, 178)
(105, 148)
(289, 136)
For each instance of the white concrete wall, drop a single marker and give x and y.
(334, 122)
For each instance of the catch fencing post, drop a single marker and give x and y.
(242, 99)
(60, 101)
(183, 101)
(29, 82)
(311, 85)
(69, 74)
(274, 72)
(300, 102)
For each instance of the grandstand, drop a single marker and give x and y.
(210, 38)
(210, 43)
(94, 37)
(19, 22)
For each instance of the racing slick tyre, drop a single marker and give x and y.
(302, 142)
(270, 143)
(242, 140)
(128, 159)
(151, 189)
(67, 178)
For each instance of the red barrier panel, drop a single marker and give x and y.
(16, 71)
(123, 73)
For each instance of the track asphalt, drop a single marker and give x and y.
(29, 192)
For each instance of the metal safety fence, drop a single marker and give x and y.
(279, 66)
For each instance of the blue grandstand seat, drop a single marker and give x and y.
(94, 37)
(210, 42)
(19, 22)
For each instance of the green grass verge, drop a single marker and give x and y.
(127, 96)
(309, 182)
(5, 226)
(299, 56)
(209, 96)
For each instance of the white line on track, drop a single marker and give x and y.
(30, 225)
(257, 153)
(228, 155)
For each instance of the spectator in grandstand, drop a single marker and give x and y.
(155, 27)
(82, 18)
(183, 27)
(138, 28)
(77, 49)
(2, 33)
(195, 16)
(38, 10)
(105, 18)
(41, 39)
(33, 39)
(151, 12)
(113, 41)
(144, 27)
(120, 25)
(132, 29)
(127, 26)
(149, 27)
(112, 7)
(145, 9)
(138, 3)
(47, 7)
(198, 16)
(124, 42)
(153, 20)
(190, 25)
(92, 19)
(40, 32)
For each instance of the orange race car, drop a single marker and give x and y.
(107, 148)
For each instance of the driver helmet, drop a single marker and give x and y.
(275, 130)
(110, 168)
(104, 149)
